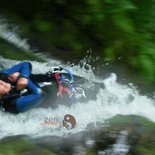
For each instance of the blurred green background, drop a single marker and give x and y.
(117, 30)
(112, 29)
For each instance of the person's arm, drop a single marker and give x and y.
(24, 68)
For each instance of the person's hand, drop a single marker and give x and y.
(22, 83)
(13, 77)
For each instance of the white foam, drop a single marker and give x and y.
(114, 99)
(11, 35)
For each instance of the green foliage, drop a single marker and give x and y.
(143, 150)
(19, 146)
(111, 28)
(10, 52)
(41, 23)
(145, 62)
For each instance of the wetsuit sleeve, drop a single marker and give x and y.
(24, 68)
(26, 102)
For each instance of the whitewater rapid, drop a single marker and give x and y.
(113, 99)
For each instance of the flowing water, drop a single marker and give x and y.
(106, 98)
(111, 100)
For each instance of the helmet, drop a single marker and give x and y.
(64, 73)
(56, 69)
(65, 76)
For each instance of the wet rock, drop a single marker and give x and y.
(131, 135)
(18, 145)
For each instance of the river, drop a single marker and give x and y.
(107, 98)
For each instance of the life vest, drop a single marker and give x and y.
(61, 88)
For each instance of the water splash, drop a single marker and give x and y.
(9, 32)
(111, 100)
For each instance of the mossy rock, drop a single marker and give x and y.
(17, 145)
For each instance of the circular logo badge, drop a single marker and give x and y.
(69, 121)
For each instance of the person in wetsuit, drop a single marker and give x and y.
(19, 77)
(14, 80)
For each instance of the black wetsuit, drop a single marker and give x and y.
(8, 100)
